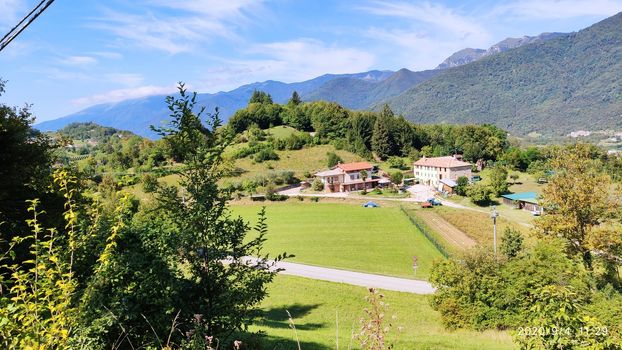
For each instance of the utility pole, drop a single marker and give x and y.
(494, 215)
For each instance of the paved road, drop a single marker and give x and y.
(356, 278)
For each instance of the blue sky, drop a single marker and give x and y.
(86, 52)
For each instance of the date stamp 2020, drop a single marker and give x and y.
(533, 331)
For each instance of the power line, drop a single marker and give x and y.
(24, 23)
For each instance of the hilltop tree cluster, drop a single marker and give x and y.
(382, 134)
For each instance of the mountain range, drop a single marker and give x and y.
(569, 82)
(469, 55)
(550, 84)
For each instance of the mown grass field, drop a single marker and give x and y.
(316, 306)
(345, 236)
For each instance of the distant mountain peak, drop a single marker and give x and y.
(469, 55)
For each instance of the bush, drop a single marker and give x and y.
(396, 162)
(317, 184)
(333, 159)
(296, 141)
(396, 177)
(461, 186)
(511, 243)
(498, 180)
(266, 154)
(315, 199)
(479, 193)
(150, 183)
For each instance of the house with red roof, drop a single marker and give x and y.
(435, 171)
(348, 177)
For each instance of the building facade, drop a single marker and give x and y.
(430, 171)
(348, 177)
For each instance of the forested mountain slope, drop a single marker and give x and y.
(550, 87)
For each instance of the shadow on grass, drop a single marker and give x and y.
(488, 204)
(278, 318)
(266, 342)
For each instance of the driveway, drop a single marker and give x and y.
(421, 193)
(354, 278)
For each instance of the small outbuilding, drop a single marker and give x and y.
(523, 200)
(447, 185)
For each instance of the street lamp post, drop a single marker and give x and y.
(494, 215)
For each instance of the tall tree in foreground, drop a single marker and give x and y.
(223, 285)
(578, 203)
(25, 173)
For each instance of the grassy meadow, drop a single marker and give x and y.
(478, 225)
(316, 306)
(308, 159)
(345, 236)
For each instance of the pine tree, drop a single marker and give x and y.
(381, 139)
(295, 99)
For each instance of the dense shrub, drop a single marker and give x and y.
(317, 184)
(479, 193)
(265, 154)
(332, 159)
(150, 183)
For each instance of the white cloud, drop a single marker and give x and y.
(108, 55)
(10, 12)
(421, 35)
(558, 9)
(440, 16)
(177, 26)
(312, 57)
(122, 94)
(287, 61)
(126, 79)
(79, 60)
(415, 50)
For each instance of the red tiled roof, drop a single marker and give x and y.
(354, 166)
(441, 162)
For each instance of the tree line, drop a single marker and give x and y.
(368, 133)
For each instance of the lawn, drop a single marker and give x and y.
(345, 236)
(282, 131)
(316, 306)
(308, 159)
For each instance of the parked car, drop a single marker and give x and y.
(371, 205)
(434, 201)
(426, 205)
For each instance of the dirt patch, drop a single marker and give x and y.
(450, 233)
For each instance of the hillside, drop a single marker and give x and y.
(548, 87)
(137, 114)
(361, 94)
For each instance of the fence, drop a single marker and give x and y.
(415, 221)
